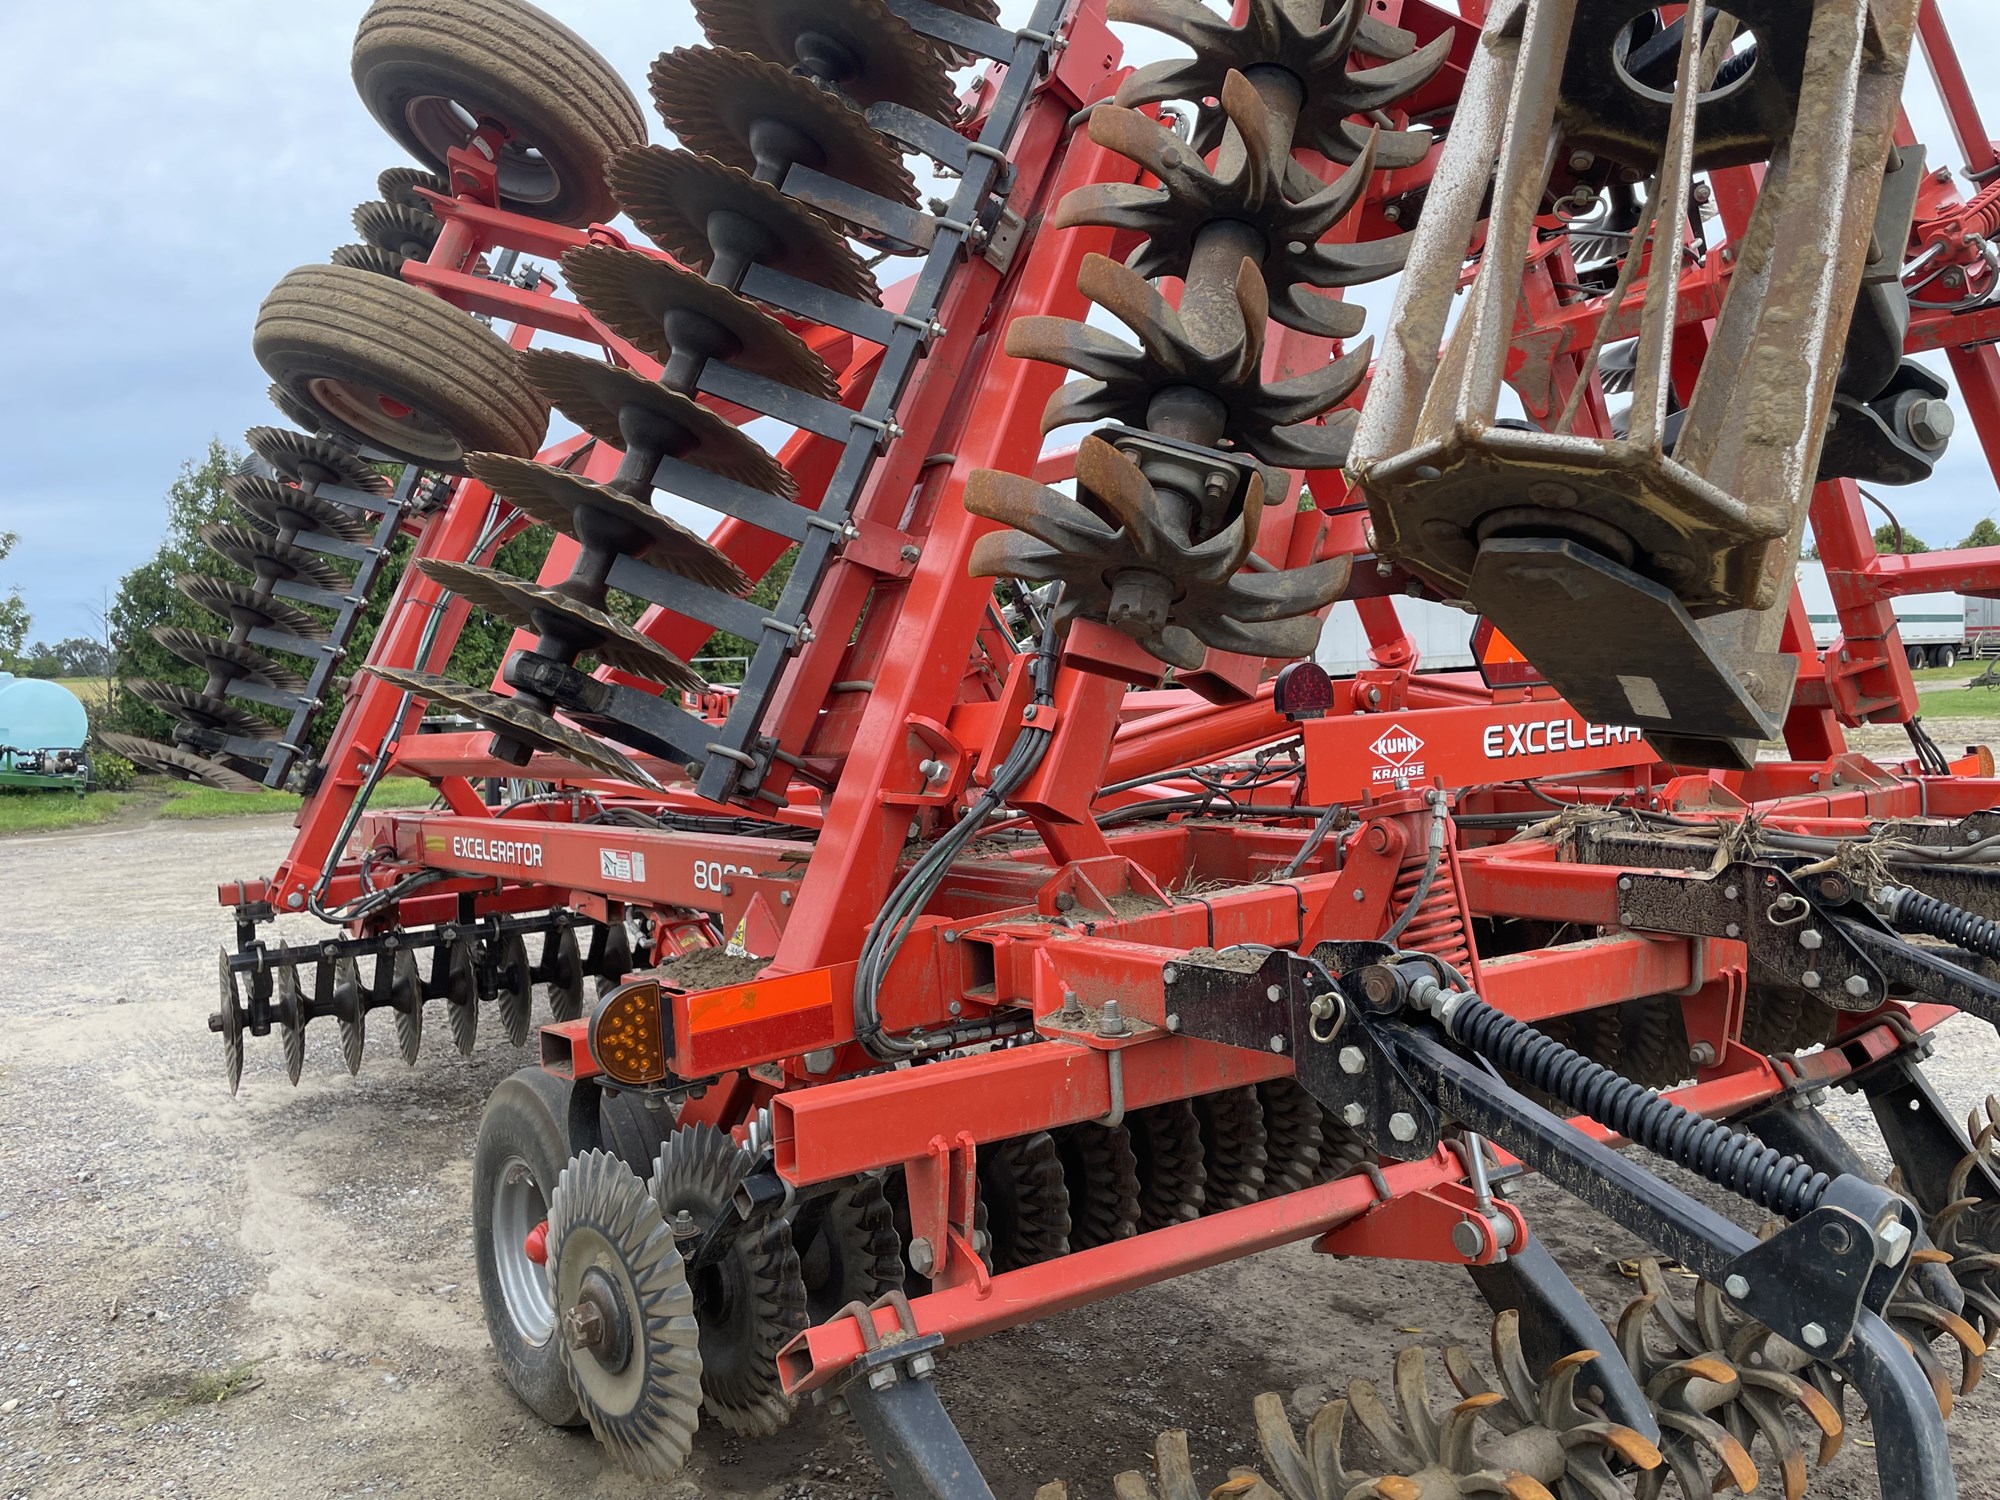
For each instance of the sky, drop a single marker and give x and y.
(173, 160)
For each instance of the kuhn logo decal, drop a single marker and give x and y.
(1397, 749)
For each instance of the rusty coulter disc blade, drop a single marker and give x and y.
(646, 301)
(532, 607)
(600, 398)
(765, 119)
(861, 47)
(574, 506)
(675, 196)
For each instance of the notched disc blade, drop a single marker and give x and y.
(719, 102)
(515, 720)
(182, 765)
(284, 507)
(648, 301)
(533, 607)
(562, 500)
(201, 710)
(314, 460)
(673, 195)
(396, 230)
(398, 185)
(860, 47)
(225, 658)
(606, 402)
(261, 553)
(244, 606)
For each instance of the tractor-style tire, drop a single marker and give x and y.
(426, 68)
(522, 1149)
(396, 368)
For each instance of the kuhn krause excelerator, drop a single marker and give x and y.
(1027, 922)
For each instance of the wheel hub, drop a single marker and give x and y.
(597, 1323)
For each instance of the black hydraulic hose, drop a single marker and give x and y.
(1728, 1158)
(1916, 912)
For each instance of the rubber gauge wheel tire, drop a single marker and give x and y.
(429, 70)
(522, 1149)
(396, 368)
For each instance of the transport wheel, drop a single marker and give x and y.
(396, 368)
(1944, 656)
(522, 1147)
(626, 1319)
(750, 1300)
(431, 70)
(848, 1248)
(630, 1131)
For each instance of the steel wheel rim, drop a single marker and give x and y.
(381, 418)
(443, 124)
(518, 1206)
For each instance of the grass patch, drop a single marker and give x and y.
(49, 812)
(213, 1387)
(1960, 703)
(190, 803)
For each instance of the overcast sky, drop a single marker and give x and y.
(172, 160)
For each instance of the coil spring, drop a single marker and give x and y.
(1728, 1158)
(1940, 919)
(1439, 926)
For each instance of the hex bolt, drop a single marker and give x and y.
(1702, 1054)
(1402, 1127)
(1351, 1060)
(1730, 893)
(1855, 986)
(1274, 993)
(1173, 1020)
(1358, 896)
(583, 1326)
(1932, 423)
(1169, 974)
(1810, 979)
(1277, 1044)
(921, 1366)
(1353, 1116)
(1624, 882)
(1110, 1022)
(1071, 1006)
(1810, 939)
(1894, 1242)
(882, 1379)
(1732, 930)
(1737, 1287)
(923, 1259)
(684, 1226)
(1814, 1334)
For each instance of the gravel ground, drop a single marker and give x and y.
(274, 1295)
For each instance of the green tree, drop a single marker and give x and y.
(723, 644)
(1985, 533)
(14, 616)
(1888, 539)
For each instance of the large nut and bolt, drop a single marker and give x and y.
(583, 1326)
(923, 1259)
(1737, 1287)
(1932, 423)
(1354, 1116)
(1351, 1060)
(1814, 1334)
(1402, 1127)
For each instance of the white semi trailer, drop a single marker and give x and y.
(1937, 629)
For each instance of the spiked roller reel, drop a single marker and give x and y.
(1233, 1148)
(626, 410)
(287, 508)
(718, 219)
(1173, 1182)
(365, 258)
(1192, 197)
(1101, 1171)
(625, 1315)
(673, 314)
(764, 119)
(293, 409)
(516, 721)
(603, 518)
(1297, 53)
(749, 1301)
(551, 612)
(1968, 1227)
(1526, 1439)
(257, 551)
(1124, 552)
(860, 47)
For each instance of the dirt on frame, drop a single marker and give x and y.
(274, 1295)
